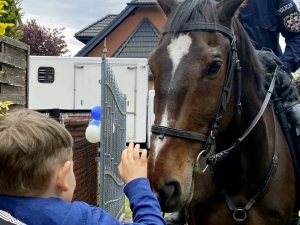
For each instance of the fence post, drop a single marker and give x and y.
(103, 127)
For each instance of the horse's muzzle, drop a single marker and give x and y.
(169, 196)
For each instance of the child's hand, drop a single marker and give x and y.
(133, 165)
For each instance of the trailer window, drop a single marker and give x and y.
(46, 74)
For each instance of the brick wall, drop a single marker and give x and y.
(85, 165)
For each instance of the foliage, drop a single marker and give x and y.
(4, 106)
(12, 19)
(44, 41)
(3, 13)
(128, 212)
(297, 75)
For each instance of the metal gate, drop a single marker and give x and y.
(113, 141)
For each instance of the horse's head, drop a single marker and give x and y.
(189, 68)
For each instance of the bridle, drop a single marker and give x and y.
(233, 70)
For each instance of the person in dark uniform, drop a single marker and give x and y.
(264, 21)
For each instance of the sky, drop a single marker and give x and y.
(73, 15)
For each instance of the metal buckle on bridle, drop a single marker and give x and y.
(239, 215)
(197, 166)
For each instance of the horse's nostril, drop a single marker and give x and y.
(170, 193)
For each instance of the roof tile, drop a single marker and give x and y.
(95, 28)
(143, 40)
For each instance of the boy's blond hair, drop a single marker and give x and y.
(32, 145)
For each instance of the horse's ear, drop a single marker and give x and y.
(227, 9)
(167, 5)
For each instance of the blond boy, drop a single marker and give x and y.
(37, 181)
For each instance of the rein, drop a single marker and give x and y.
(240, 213)
(219, 156)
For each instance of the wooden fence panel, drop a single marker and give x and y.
(14, 59)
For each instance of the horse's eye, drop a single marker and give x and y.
(214, 67)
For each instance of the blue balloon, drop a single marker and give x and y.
(96, 112)
(95, 122)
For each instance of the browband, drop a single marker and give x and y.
(209, 27)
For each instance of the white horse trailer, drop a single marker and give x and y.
(74, 83)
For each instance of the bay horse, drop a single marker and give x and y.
(217, 149)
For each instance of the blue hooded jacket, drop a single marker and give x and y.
(54, 211)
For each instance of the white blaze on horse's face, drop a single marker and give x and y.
(159, 143)
(178, 48)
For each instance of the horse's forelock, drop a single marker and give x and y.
(191, 11)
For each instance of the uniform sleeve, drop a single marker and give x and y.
(290, 30)
(143, 203)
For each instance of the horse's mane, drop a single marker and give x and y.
(254, 65)
(190, 11)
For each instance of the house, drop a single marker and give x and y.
(134, 33)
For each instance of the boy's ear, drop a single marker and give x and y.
(61, 176)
